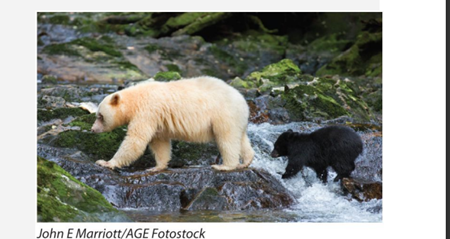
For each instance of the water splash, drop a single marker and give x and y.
(317, 202)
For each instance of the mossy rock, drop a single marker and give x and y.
(100, 146)
(332, 43)
(306, 103)
(167, 76)
(59, 113)
(363, 58)
(279, 73)
(325, 98)
(62, 198)
(197, 21)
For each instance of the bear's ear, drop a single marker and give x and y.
(115, 99)
(289, 130)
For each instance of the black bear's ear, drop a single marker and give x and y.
(289, 130)
(115, 99)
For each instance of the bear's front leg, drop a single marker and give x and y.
(106, 164)
(132, 147)
(293, 167)
(161, 148)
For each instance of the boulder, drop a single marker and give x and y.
(62, 198)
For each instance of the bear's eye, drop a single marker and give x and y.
(100, 117)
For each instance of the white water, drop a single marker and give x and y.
(316, 202)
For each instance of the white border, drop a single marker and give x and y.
(413, 112)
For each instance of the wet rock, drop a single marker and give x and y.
(363, 190)
(62, 198)
(194, 188)
(257, 115)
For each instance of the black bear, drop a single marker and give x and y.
(335, 146)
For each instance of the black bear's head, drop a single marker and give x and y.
(281, 145)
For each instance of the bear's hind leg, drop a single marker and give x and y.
(229, 148)
(162, 150)
(343, 170)
(247, 152)
(322, 174)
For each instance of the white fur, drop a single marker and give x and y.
(199, 109)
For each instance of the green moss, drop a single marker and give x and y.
(255, 41)
(126, 65)
(167, 76)
(173, 67)
(152, 48)
(330, 43)
(239, 83)
(306, 101)
(59, 19)
(85, 122)
(234, 62)
(59, 113)
(358, 59)
(61, 197)
(98, 45)
(61, 49)
(279, 73)
(102, 146)
(48, 79)
(200, 22)
(183, 19)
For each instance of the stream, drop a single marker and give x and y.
(316, 202)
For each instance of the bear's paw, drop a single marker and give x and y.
(155, 169)
(106, 164)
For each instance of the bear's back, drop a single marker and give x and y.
(337, 138)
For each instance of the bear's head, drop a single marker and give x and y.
(110, 114)
(281, 145)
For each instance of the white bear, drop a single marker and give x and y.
(199, 109)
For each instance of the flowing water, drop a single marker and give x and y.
(316, 202)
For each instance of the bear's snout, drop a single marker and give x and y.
(95, 130)
(274, 154)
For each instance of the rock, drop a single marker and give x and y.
(87, 59)
(192, 188)
(89, 107)
(362, 190)
(363, 58)
(62, 198)
(49, 102)
(58, 113)
(326, 98)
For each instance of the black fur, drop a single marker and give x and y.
(335, 146)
